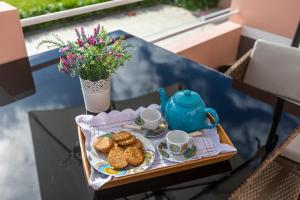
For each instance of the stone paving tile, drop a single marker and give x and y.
(145, 23)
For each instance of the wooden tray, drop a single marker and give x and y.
(159, 171)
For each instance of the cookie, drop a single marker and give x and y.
(103, 144)
(117, 148)
(130, 141)
(116, 158)
(138, 144)
(134, 156)
(121, 136)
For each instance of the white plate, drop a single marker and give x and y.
(99, 160)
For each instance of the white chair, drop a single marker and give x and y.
(274, 68)
(271, 67)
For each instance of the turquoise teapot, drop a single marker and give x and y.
(186, 111)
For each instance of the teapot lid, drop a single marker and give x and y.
(187, 98)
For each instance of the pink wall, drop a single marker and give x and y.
(212, 45)
(276, 16)
(12, 44)
(215, 52)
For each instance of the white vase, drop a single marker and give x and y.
(96, 95)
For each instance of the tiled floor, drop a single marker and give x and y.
(147, 23)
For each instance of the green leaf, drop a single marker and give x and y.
(139, 121)
(164, 153)
(190, 152)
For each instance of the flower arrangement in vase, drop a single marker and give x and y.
(94, 58)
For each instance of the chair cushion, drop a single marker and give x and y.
(292, 151)
(275, 68)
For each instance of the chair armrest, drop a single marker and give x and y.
(248, 183)
(239, 68)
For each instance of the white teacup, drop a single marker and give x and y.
(151, 118)
(178, 141)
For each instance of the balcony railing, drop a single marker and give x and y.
(73, 12)
(206, 19)
(213, 17)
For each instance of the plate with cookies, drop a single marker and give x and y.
(121, 153)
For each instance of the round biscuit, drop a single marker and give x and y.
(116, 158)
(134, 156)
(121, 136)
(117, 148)
(130, 141)
(103, 144)
(138, 144)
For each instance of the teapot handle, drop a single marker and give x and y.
(215, 116)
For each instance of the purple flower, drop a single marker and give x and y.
(76, 53)
(79, 57)
(83, 34)
(64, 62)
(96, 31)
(80, 42)
(77, 33)
(63, 50)
(69, 56)
(92, 41)
(65, 65)
(118, 55)
(100, 41)
(113, 41)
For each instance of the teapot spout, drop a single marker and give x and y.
(163, 99)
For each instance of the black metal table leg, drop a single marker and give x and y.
(273, 137)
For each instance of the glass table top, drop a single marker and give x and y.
(36, 165)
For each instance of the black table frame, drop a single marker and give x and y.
(157, 183)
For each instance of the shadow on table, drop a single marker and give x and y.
(15, 86)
